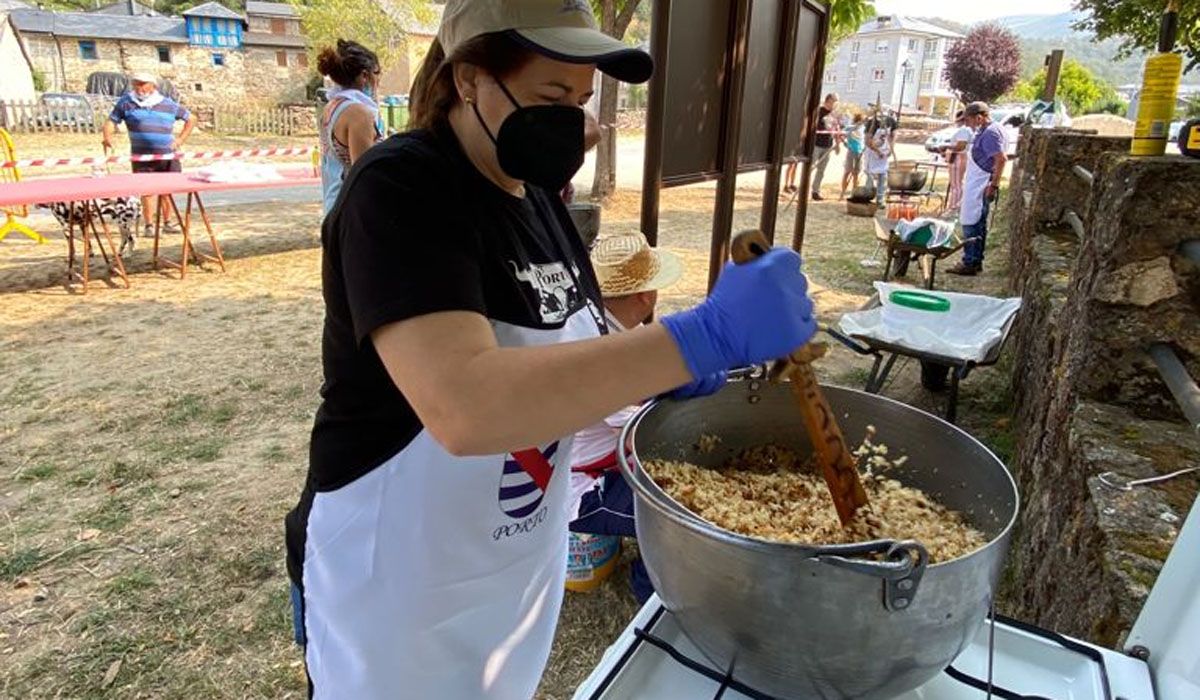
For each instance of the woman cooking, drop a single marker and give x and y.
(464, 341)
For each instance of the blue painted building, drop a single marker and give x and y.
(213, 24)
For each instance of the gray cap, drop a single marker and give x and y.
(976, 108)
(564, 30)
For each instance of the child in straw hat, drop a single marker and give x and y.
(630, 274)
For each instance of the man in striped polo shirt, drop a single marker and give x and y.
(150, 118)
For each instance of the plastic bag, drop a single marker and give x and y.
(968, 331)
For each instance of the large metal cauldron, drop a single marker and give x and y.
(813, 622)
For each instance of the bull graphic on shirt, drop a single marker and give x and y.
(524, 480)
(555, 287)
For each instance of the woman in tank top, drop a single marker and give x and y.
(350, 122)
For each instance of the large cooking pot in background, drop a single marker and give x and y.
(797, 621)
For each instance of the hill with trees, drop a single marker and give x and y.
(1040, 34)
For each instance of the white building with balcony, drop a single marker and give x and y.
(896, 60)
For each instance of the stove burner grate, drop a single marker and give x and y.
(728, 682)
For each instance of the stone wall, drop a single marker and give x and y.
(1042, 186)
(251, 76)
(265, 81)
(1089, 400)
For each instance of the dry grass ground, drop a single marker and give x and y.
(153, 439)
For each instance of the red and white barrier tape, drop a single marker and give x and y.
(199, 155)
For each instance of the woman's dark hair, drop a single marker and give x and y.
(346, 62)
(433, 91)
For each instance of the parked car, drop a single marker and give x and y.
(66, 109)
(1009, 117)
(940, 139)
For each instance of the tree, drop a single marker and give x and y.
(1191, 109)
(1114, 105)
(40, 84)
(379, 26)
(614, 17)
(845, 18)
(985, 64)
(1080, 90)
(1135, 23)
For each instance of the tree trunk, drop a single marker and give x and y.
(614, 24)
(605, 180)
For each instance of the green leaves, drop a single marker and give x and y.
(1136, 22)
(1078, 88)
(846, 16)
(380, 26)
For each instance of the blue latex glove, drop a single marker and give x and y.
(757, 311)
(700, 387)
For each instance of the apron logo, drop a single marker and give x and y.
(524, 480)
(555, 288)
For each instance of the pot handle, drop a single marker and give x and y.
(902, 567)
(758, 371)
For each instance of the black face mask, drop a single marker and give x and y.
(542, 145)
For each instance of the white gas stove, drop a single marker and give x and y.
(653, 659)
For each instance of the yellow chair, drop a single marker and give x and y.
(13, 174)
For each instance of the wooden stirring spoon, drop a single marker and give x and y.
(838, 466)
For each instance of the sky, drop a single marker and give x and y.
(968, 11)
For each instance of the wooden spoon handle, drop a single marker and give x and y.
(838, 466)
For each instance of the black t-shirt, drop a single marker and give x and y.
(823, 140)
(419, 230)
(880, 122)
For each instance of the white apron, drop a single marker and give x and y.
(974, 184)
(441, 577)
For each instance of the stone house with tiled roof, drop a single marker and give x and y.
(212, 54)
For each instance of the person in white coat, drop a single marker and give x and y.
(880, 137)
(985, 167)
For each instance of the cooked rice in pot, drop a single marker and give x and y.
(767, 492)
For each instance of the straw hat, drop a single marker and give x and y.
(626, 264)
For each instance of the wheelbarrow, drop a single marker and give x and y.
(899, 253)
(939, 371)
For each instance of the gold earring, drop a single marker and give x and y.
(469, 100)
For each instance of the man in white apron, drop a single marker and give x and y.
(985, 167)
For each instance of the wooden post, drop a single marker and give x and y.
(814, 103)
(1053, 68)
(727, 147)
(653, 161)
